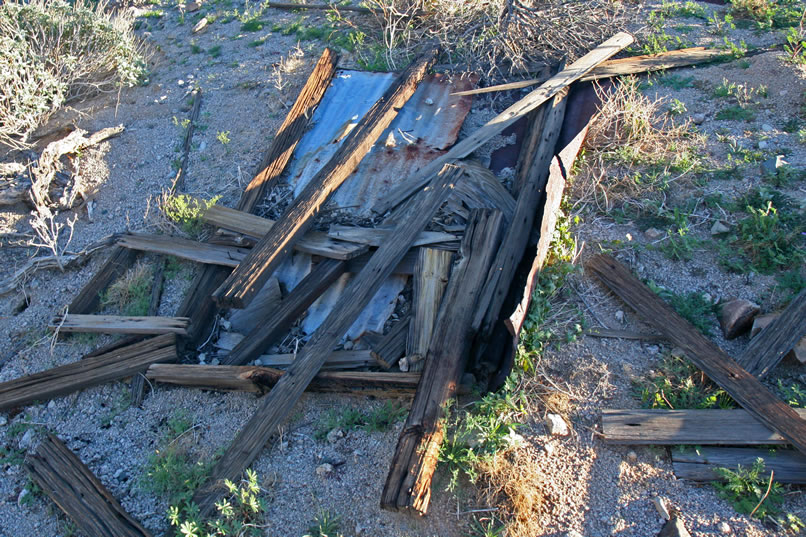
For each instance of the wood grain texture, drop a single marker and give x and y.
(275, 407)
(120, 259)
(117, 364)
(376, 236)
(313, 242)
(290, 132)
(77, 492)
(769, 347)
(481, 189)
(744, 388)
(430, 278)
(698, 465)
(260, 379)
(336, 360)
(388, 348)
(290, 309)
(118, 324)
(506, 118)
(729, 427)
(247, 279)
(408, 484)
(199, 252)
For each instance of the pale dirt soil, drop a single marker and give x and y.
(589, 487)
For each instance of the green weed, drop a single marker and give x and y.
(253, 24)
(735, 113)
(187, 211)
(676, 82)
(325, 524)
(692, 306)
(153, 14)
(215, 51)
(677, 384)
(687, 9)
(794, 394)
(379, 419)
(771, 242)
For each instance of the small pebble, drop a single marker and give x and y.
(766, 127)
(52, 405)
(632, 456)
(21, 498)
(180, 82)
(323, 470)
(556, 425)
(763, 144)
(620, 316)
(653, 349)
(348, 345)
(429, 101)
(335, 435)
(698, 119)
(719, 228)
(724, 528)
(653, 234)
(3, 420)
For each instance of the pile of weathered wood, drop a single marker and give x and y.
(464, 305)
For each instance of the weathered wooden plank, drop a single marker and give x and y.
(513, 245)
(289, 310)
(90, 295)
(430, 277)
(377, 236)
(118, 324)
(408, 485)
(625, 66)
(290, 132)
(788, 465)
(336, 360)
(500, 122)
(260, 379)
(387, 349)
(744, 388)
(278, 403)
(730, 427)
(117, 364)
(198, 305)
(404, 268)
(769, 347)
(313, 242)
(481, 189)
(247, 279)
(326, 7)
(200, 252)
(77, 492)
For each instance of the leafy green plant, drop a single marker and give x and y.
(735, 113)
(794, 394)
(770, 241)
(677, 107)
(223, 137)
(691, 306)
(253, 24)
(677, 384)
(186, 211)
(325, 524)
(238, 515)
(676, 82)
(214, 51)
(486, 527)
(376, 420)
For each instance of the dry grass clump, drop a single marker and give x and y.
(497, 38)
(53, 53)
(513, 482)
(131, 293)
(634, 149)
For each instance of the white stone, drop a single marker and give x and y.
(23, 494)
(763, 144)
(348, 345)
(766, 127)
(698, 119)
(180, 82)
(632, 456)
(27, 439)
(3, 420)
(323, 470)
(429, 101)
(574, 533)
(724, 528)
(653, 234)
(719, 228)
(660, 505)
(549, 448)
(620, 316)
(556, 425)
(335, 435)
(52, 405)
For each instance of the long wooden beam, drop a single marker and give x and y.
(743, 387)
(506, 118)
(118, 324)
(247, 279)
(788, 465)
(275, 406)
(199, 252)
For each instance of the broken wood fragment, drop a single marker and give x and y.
(290, 132)
(714, 362)
(113, 268)
(199, 252)
(120, 363)
(288, 311)
(700, 464)
(247, 279)
(376, 236)
(260, 379)
(119, 324)
(387, 349)
(430, 277)
(77, 492)
(769, 347)
(408, 484)
(336, 360)
(506, 118)
(481, 189)
(275, 406)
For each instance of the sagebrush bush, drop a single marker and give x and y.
(53, 53)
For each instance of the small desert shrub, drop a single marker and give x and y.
(186, 211)
(53, 53)
(132, 292)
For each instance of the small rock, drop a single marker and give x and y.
(660, 505)
(202, 357)
(698, 119)
(549, 448)
(193, 6)
(118, 473)
(771, 165)
(653, 349)
(429, 101)
(674, 528)
(390, 140)
(719, 228)
(653, 234)
(724, 528)
(620, 316)
(632, 456)
(180, 82)
(766, 127)
(556, 425)
(324, 470)
(3, 420)
(225, 324)
(27, 439)
(201, 25)
(348, 345)
(202, 146)
(573, 533)
(335, 435)
(736, 317)
(215, 361)
(403, 364)
(763, 144)
(24, 493)
(52, 405)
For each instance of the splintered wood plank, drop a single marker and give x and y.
(247, 279)
(731, 427)
(118, 324)
(743, 387)
(290, 132)
(387, 349)
(481, 189)
(513, 245)
(119, 363)
(275, 407)
(431, 275)
(376, 236)
(259, 379)
(768, 348)
(506, 118)
(788, 465)
(289, 310)
(336, 360)
(408, 484)
(200, 252)
(198, 303)
(77, 492)
(313, 242)
(90, 295)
